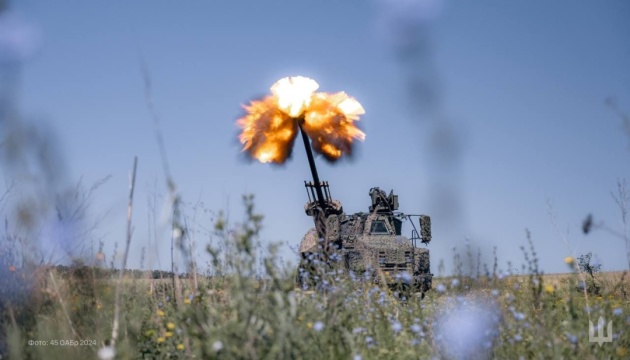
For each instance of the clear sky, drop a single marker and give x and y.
(479, 113)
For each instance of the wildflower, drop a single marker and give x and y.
(357, 357)
(404, 277)
(369, 340)
(160, 340)
(549, 289)
(217, 346)
(440, 288)
(170, 326)
(416, 329)
(149, 333)
(160, 313)
(569, 260)
(396, 326)
(621, 351)
(495, 292)
(617, 311)
(454, 282)
(186, 301)
(180, 346)
(106, 353)
(318, 326)
(358, 330)
(518, 316)
(572, 338)
(518, 337)
(168, 334)
(309, 325)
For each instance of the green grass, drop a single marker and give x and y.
(253, 311)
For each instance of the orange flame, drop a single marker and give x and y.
(270, 125)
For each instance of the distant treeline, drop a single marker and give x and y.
(108, 273)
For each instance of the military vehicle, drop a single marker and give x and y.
(370, 242)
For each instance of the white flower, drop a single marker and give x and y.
(440, 288)
(106, 353)
(217, 346)
(318, 326)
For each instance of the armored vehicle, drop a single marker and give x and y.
(368, 242)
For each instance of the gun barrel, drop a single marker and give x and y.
(311, 163)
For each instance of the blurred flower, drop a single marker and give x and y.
(318, 326)
(416, 329)
(309, 325)
(617, 311)
(180, 346)
(217, 346)
(160, 313)
(397, 326)
(357, 357)
(621, 351)
(572, 338)
(358, 330)
(106, 353)
(569, 260)
(440, 288)
(160, 340)
(170, 326)
(549, 289)
(495, 292)
(18, 39)
(454, 282)
(149, 333)
(405, 277)
(518, 337)
(168, 334)
(186, 301)
(518, 316)
(462, 330)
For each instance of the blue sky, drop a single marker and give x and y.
(519, 88)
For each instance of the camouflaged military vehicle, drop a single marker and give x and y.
(367, 242)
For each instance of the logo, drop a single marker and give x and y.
(600, 338)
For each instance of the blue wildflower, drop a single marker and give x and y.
(318, 326)
(396, 326)
(617, 311)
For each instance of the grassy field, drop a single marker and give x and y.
(251, 309)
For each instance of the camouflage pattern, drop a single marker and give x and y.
(373, 241)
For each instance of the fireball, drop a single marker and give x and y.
(270, 125)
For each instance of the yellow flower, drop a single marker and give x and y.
(170, 326)
(160, 313)
(168, 334)
(569, 260)
(309, 325)
(549, 289)
(180, 347)
(149, 333)
(186, 301)
(160, 340)
(621, 351)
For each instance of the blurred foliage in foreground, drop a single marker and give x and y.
(247, 307)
